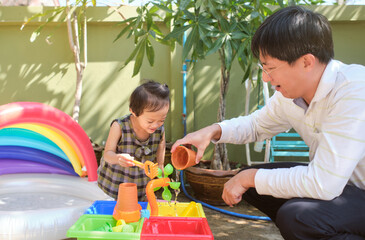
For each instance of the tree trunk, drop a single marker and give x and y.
(220, 158)
(73, 37)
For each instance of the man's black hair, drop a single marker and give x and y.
(293, 32)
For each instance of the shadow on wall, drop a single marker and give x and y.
(34, 71)
(31, 83)
(42, 72)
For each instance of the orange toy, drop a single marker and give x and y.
(151, 185)
(183, 157)
(127, 207)
(150, 168)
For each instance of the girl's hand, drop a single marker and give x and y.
(125, 160)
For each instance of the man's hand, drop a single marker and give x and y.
(200, 139)
(237, 186)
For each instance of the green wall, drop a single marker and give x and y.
(45, 72)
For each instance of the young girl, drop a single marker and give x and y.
(139, 135)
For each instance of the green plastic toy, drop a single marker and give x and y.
(166, 194)
(174, 185)
(168, 169)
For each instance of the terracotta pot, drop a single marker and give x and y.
(208, 184)
(183, 157)
(127, 207)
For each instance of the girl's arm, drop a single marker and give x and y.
(110, 155)
(160, 155)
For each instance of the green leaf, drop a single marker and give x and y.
(133, 54)
(228, 54)
(153, 10)
(55, 12)
(125, 29)
(152, 33)
(200, 50)
(164, 8)
(224, 24)
(212, 10)
(150, 53)
(235, 45)
(246, 73)
(93, 2)
(129, 20)
(139, 32)
(242, 50)
(149, 21)
(233, 26)
(215, 34)
(156, 29)
(203, 37)
(139, 58)
(216, 45)
(199, 3)
(189, 15)
(254, 15)
(239, 35)
(183, 4)
(191, 38)
(177, 32)
(207, 27)
(138, 22)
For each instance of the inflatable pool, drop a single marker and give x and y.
(47, 172)
(56, 125)
(43, 206)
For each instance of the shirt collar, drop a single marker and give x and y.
(328, 80)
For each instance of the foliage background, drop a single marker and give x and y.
(45, 73)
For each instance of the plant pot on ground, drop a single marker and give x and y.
(208, 184)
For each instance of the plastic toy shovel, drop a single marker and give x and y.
(150, 168)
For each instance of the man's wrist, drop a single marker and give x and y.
(248, 178)
(216, 131)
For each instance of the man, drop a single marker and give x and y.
(324, 101)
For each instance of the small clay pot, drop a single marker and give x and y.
(183, 157)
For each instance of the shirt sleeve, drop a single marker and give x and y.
(258, 126)
(341, 145)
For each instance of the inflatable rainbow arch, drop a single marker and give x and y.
(37, 138)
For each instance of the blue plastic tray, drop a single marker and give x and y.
(103, 207)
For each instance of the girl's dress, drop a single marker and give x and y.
(110, 176)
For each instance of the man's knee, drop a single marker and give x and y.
(298, 219)
(286, 221)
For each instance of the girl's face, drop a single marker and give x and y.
(151, 121)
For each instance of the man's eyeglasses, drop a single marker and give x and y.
(268, 72)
